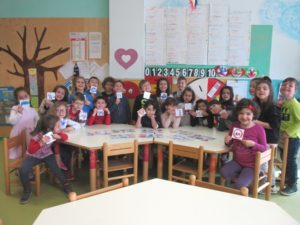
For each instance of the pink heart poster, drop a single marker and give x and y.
(126, 58)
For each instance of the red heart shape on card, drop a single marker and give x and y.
(126, 58)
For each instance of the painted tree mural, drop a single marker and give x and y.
(26, 62)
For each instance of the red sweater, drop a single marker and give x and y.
(106, 119)
(73, 116)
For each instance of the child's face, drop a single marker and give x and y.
(78, 105)
(60, 94)
(181, 85)
(56, 129)
(61, 111)
(100, 104)
(252, 88)
(245, 117)
(93, 82)
(23, 95)
(226, 94)
(150, 111)
(288, 89)
(170, 109)
(202, 106)
(187, 97)
(215, 109)
(108, 87)
(262, 92)
(118, 87)
(80, 85)
(146, 87)
(163, 86)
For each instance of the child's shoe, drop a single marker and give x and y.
(25, 197)
(289, 190)
(274, 189)
(67, 188)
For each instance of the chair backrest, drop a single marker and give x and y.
(119, 149)
(242, 191)
(14, 142)
(74, 197)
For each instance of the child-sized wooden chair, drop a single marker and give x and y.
(74, 197)
(11, 166)
(183, 166)
(128, 160)
(281, 164)
(193, 181)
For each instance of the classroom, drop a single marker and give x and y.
(149, 112)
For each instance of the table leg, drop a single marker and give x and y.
(146, 162)
(212, 167)
(160, 158)
(93, 166)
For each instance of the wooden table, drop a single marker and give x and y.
(163, 202)
(92, 139)
(210, 139)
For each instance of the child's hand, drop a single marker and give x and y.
(95, 111)
(284, 135)
(107, 110)
(48, 103)
(204, 113)
(56, 136)
(87, 102)
(224, 114)
(45, 139)
(118, 100)
(152, 115)
(141, 112)
(248, 143)
(20, 109)
(227, 139)
(192, 113)
(68, 129)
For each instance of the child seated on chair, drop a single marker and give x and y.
(245, 138)
(39, 150)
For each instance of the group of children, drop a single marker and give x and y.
(259, 118)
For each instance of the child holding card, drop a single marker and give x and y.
(23, 118)
(168, 116)
(100, 114)
(140, 100)
(59, 93)
(39, 150)
(162, 90)
(76, 112)
(187, 100)
(203, 116)
(120, 109)
(149, 116)
(108, 86)
(245, 138)
(93, 84)
(80, 87)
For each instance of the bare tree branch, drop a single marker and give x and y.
(23, 39)
(51, 69)
(12, 54)
(51, 56)
(16, 73)
(39, 41)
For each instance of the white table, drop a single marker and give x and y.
(210, 139)
(163, 202)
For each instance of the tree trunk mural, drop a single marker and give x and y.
(27, 63)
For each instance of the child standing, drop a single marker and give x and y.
(108, 86)
(120, 109)
(252, 138)
(100, 114)
(252, 87)
(181, 85)
(168, 116)
(23, 118)
(162, 90)
(290, 129)
(39, 150)
(61, 94)
(149, 116)
(93, 84)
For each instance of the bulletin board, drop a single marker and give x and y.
(56, 37)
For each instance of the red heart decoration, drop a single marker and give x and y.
(126, 58)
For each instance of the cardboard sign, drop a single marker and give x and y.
(179, 112)
(25, 103)
(51, 96)
(146, 95)
(119, 95)
(238, 133)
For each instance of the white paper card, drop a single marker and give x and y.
(146, 95)
(49, 135)
(141, 112)
(100, 112)
(50, 96)
(179, 112)
(82, 116)
(188, 106)
(238, 133)
(199, 113)
(119, 94)
(25, 103)
(93, 90)
(163, 96)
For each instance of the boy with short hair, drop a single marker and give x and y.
(76, 112)
(108, 86)
(290, 129)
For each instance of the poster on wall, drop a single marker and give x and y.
(95, 45)
(78, 43)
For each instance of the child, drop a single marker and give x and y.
(120, 109)
(61, 94)
(23, 118)
(108, 86)
(203, 116)
(140, 100)
(80, 87)
(226, 98)
(187, 101)
(76, 112)
(162, 90)
(100, 114)
(181, 85)
(252, 88)
(93, 84)
(149, 116)
(253, 139)
(290, 129)
(39, 150)
(168, 116)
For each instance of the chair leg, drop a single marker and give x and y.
(223, 180)
(37, 179)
